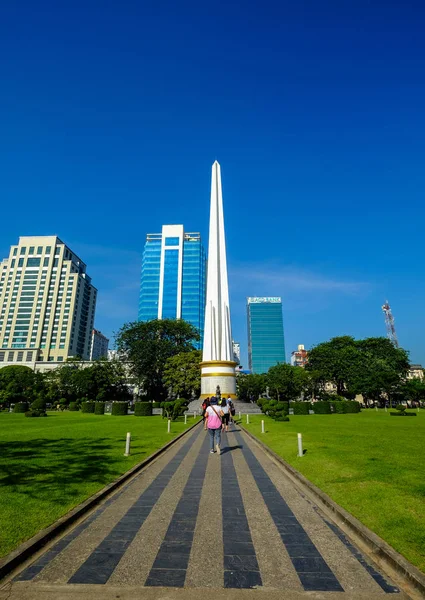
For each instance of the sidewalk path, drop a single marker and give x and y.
(195, 521)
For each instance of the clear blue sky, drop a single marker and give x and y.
(111, 114)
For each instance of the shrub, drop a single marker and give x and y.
(400, 407)
(352, 406)
(262, 401)
(300, 408)
(322, 408)
(338, 407)
(156, 405)
(99, 408)
(20, 407)
(143, 409)
(87, 407)
(73, 406)
(402, 414)
(36, 413)
(281, 418)
(39, 404)
(119, 408)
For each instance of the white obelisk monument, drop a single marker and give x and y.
(217, 366)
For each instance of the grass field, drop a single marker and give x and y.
(369, 463)
(48, 466)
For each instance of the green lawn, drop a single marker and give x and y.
(49, 465)
(369, 463)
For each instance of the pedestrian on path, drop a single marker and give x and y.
(232, 410)
(225, 409)
(213, 416)
(205, 405)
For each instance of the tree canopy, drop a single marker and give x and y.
(182, 374)
(149, 344)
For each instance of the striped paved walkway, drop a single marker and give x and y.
(194, 521)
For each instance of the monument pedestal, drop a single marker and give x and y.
(218, 372)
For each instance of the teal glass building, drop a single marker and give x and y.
(266, 342)
(173, 281)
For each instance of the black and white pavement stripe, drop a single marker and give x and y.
(380, 579)
(102, 562)
(241, 568)
(311, 568)
(170, 566)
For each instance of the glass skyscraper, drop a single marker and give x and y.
(173, 277)
(266, 343)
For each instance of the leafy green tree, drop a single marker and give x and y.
(19, 383)
(148, 345)
(287, 382)
(334, 361)
(250, 387)
(182, 374)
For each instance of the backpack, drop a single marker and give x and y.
(232, 408)
(205, 405)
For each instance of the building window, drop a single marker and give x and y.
(55, 262)
(12, 264)
(48, 249)
(21, 262)
(51, 359)
(33, 262)
(39, 249)
(171, 241)
(57, 251)
(10, 356)
(20, 356)
(29, 356)
(15, 251)
(31, 250)
(23, 250)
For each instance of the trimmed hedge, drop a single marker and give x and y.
(20, 407)
(36, 413)
(322, 408)
(300, 408)
(119, 408)
(143, 409)
(156, 405)
(87, 407)
(99, 408)
(73, 406)
(345, 406)
(402, 414)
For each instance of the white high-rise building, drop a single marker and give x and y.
(47, 303)
(99, 345)
(218, 366)
(236, 352)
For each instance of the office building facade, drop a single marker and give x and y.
(266, 343)
(173, 277)
(99, 345)
(47, 303)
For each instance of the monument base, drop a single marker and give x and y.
(218, 372)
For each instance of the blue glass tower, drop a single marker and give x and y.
(173, 277)
(266, 343)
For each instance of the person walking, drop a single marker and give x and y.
(232, 411)
(213, 416)
(205, 405)
(225, 409)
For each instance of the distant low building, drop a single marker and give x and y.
(99, 345)
(415, 372)
(299, 358)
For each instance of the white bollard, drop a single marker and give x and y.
(262, 426)
(300, 445)
(240, 416)
(194, 414)
(127, 444)
(185, 419)
(385, 408)
(169, 425)
(376, 408)
(247, 419)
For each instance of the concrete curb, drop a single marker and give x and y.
(376, 545)
(28, 548)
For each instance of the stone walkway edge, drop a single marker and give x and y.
(27, 549)
(381, 551)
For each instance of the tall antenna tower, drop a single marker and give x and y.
(389, 324)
